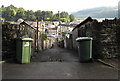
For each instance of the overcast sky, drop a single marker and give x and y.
(59, 5)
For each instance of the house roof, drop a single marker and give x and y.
(26, 24)
(68, 25)
(89, 19)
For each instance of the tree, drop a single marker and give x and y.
(64, 15)
(29, 15)
(72, 18)
(12, 13)
(9, 14)
(49, 15)
(55, 17)
(43, 15)
(2, 8)
(38, 14)
(20, 13)
(64, 19)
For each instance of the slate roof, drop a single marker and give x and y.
(89, 19)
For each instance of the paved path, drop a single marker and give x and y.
(58, 63)
(56, 54)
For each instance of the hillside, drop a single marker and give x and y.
(99, 12)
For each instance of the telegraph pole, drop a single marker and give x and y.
(37, 35)
(57, 32)
(59, 19)
(59, 16)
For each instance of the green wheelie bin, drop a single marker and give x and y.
(23, 49)
(85, 49)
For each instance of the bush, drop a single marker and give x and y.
(45, 37)
(65, 20)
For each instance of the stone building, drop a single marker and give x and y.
(9, 34)
(76, 32)
(105, 34)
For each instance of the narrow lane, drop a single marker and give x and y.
(57, 63)
(56, 54)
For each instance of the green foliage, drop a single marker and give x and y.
(45, 37)
(55, 17)
(1, 19)
(20, 14)
(64, 33)
(11, 13)
(72, 18)
(29, 15)
(46, 15)
(38, 14)
(64, 19)
(64, 15)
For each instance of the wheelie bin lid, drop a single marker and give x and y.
(29, 39)
(83, 38)
(25, 39)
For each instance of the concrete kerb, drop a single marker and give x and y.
(2, 62)
(105, 63)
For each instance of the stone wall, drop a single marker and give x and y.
(105, 34)
(47, 44)
(9, 34)
(106, 37)
(69, 42)
(74, 36)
